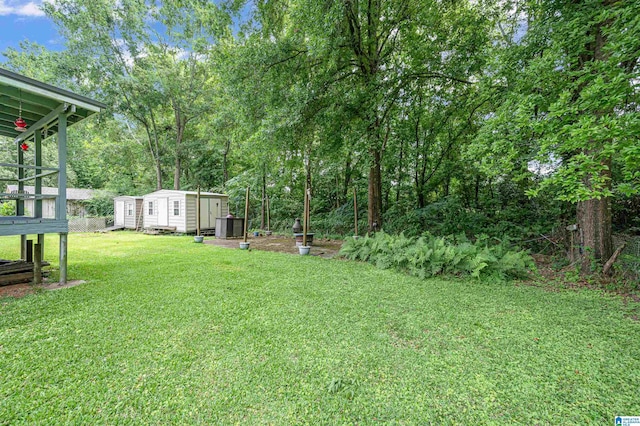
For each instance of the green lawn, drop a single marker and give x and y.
(168, 331)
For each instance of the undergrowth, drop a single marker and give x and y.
(428, 256)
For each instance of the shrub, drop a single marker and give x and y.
(428, 256)
(8, 208)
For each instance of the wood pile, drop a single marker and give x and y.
(17, 272)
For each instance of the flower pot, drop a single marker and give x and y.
(256, 233)
(304, 250)
(299, 238)
(268, 233)
(198, 238)
(244, 246)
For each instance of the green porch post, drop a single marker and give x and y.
(61, 205)
(38, 187)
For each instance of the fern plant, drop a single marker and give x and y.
(428, 256)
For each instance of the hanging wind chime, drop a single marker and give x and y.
(21, 126)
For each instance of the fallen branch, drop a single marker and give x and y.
(607, 266)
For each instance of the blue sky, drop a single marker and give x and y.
(23, 20)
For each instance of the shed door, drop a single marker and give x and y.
(163, 212)
(216, 211)
(205, 213)
(118, 218)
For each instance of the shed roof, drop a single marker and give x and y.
(177, 192)
(122, 197)
(73, 194)
(40, 103)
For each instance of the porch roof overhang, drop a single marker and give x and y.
(41, 104)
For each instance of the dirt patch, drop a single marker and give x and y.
(21, 290)
(320, 247)
(58, 286)
(16, 290)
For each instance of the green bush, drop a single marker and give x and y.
(428, 256)
(101, 204)
(8, 208)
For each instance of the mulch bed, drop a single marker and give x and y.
(320, 247)
(21, 290)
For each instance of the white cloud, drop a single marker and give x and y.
(20, 8)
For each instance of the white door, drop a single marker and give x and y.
(118, 214)
(216, 211)
(163, 212)
(204, 213)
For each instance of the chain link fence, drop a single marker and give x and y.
(87, 224)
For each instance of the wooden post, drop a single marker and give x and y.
(38, 183)
(20, 202)
(63, 258)
(198, 212)
(23, 247)
(355, 209)
(41, 242)
(246, 215)
(29, 251)
(38, 190)
(19, 199)
(61, 202)
(37, 264)
(305, 226)
(264, 194)
(268, 215)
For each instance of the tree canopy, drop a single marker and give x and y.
(480, 117)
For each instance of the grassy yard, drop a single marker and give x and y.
(168, 331)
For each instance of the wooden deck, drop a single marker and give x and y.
(24, 225)
(17, 272)
(112, 228)
(157, 230)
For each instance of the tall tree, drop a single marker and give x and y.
(361, 60)
(147, 58)
(569, 105)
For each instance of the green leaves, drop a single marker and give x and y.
(429, 256)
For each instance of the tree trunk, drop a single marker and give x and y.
(594, 221)
(155, 155)
(176, 173)
(264, 194)
(225, 161)
(400, 171)
(347, 176)
(181, 124)
(374, 213)
(594, 215)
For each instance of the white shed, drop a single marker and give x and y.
(177, 209)
(127, 212)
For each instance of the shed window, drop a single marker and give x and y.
(150, 208)
(129, 209)
(176, 208)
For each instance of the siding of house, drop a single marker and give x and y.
(179, 220)
(75, 201)
(186, 220)
(130, 213)
(223, 203)
(131, 205)
(150, 220)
